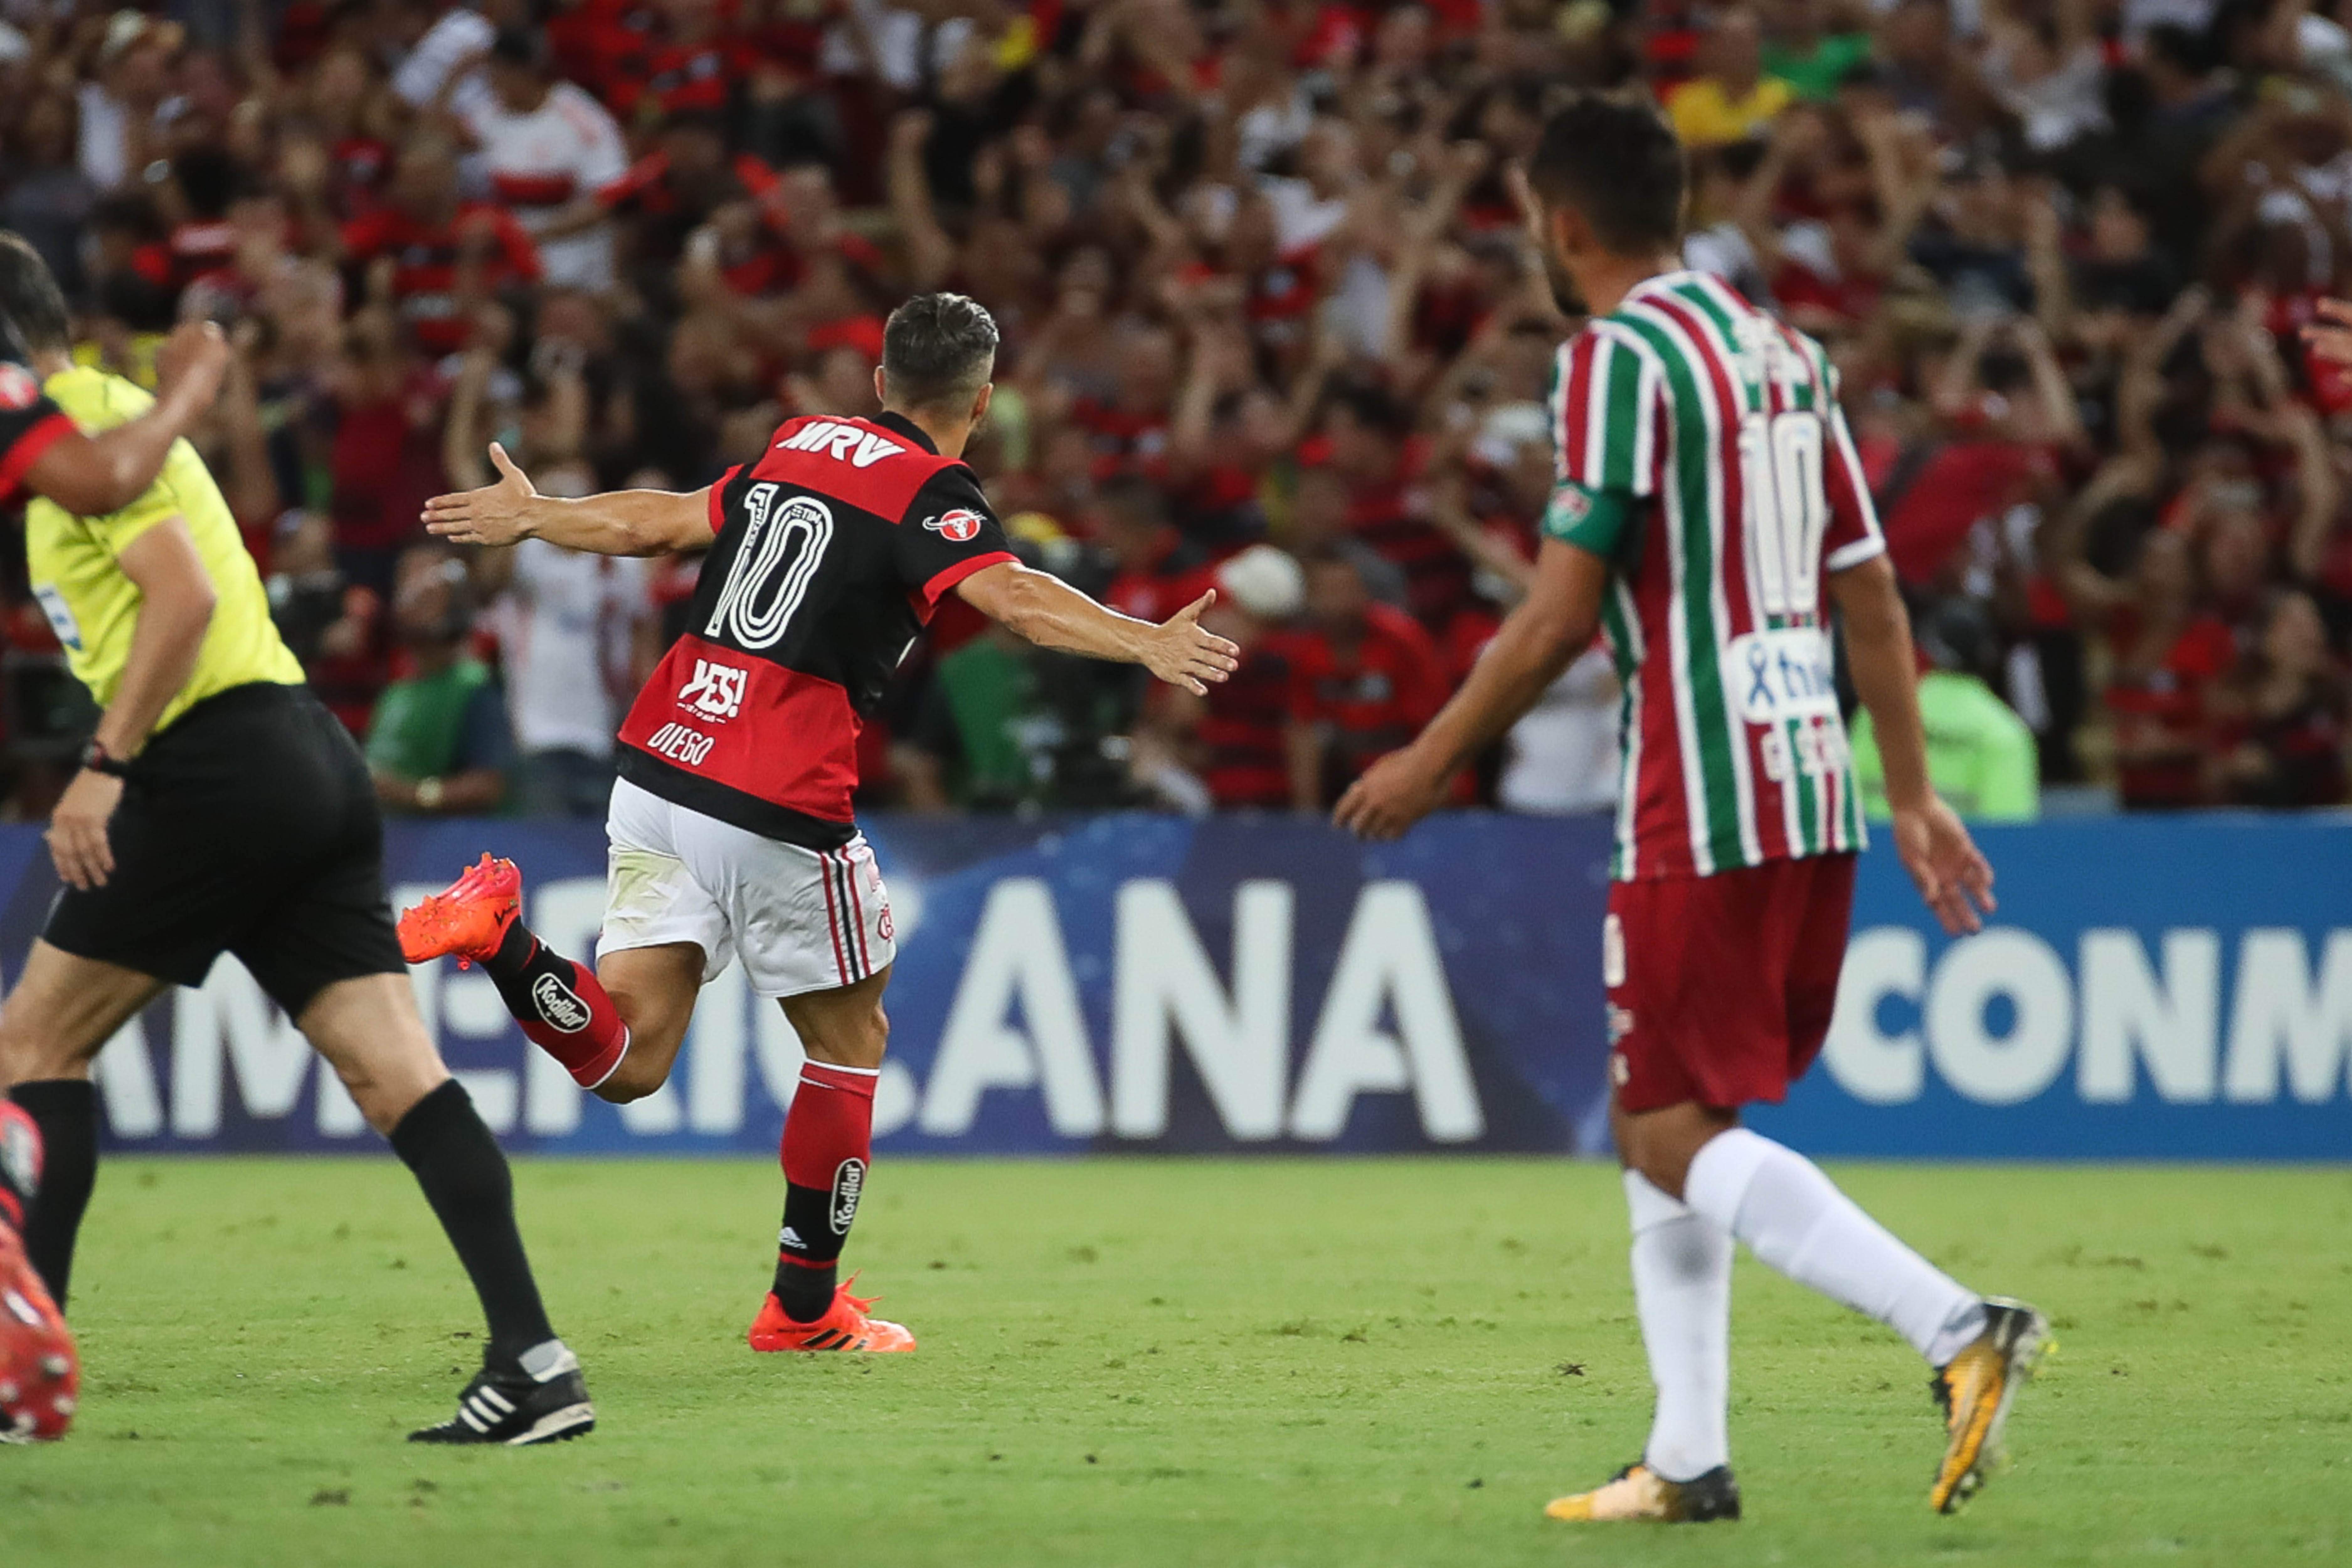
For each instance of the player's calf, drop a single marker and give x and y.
(559, 1003)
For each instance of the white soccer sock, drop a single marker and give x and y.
(1682, 1288)
(1795, 1220)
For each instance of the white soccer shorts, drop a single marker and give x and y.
(800, 920)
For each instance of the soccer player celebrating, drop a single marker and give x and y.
(1708, 499)
(730, 826)
(221, 808)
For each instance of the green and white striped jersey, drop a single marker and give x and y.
(1702, 453)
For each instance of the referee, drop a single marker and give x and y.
(221, 808)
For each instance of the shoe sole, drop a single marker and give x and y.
(558, 1427)
(2020, 1355)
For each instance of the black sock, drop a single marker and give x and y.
(808, 1254)
(520, 959)
(458, 1163)
(65, 1110)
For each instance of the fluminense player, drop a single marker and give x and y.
(731, 827)
(1709, 512)
(221, 808)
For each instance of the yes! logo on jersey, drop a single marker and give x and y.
(961, 526)
(17, 387)
(716, 691)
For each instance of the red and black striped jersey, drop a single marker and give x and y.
(833, 550)
(30, 422)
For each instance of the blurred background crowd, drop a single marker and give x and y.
(1272, 324)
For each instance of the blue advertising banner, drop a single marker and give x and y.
(2150, 989)
(1132, 981)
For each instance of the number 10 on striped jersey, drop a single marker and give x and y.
(1786, 511)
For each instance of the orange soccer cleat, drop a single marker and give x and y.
(469, 918)
(844, 1327)
(40, 1374)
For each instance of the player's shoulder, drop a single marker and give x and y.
(96, 398)
(881, 466)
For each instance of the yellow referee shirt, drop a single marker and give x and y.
(95, 608)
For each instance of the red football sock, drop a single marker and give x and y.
(561, 1006)
(828, 1141)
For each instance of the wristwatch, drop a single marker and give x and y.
(98, 760)
(429, 793)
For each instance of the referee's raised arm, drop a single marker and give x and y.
(44, 452)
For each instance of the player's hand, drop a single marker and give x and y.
(193, 362)
(1949, 871)
(2331, 339)
(1182, 654)
(1394, 793)
(76, 832)
(495, 514)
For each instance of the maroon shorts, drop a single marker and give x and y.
(1720, 988)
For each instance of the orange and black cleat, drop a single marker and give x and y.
(844, 1327)
(467, 918)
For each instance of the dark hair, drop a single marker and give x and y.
(29, 297)
(1374, 407)
(1135, 498)
(937, 351)
(1615, 161)
(525, 48)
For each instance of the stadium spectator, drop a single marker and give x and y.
(1981, 755)
(1265, 268)
(438, 743)
(1363, 678)
(1229, 748)
(550, 150)
(1732, 99)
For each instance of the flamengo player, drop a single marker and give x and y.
(1708, 497)
(730, 826)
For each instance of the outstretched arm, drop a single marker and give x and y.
(618, 522)
(1952, 876)
(1552, 625)
(1047, 611)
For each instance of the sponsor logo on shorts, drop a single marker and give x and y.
(558, 1005)
(17, 388)
(848, 1181)
(885, 927)
(681, 744)
(961, 526)
(1612, 952)
(715, 690)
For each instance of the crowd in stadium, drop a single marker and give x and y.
(1272, 324)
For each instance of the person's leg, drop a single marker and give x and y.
(1797, 1221)
(368, 1030)
(653, 989)
(62, 1012)
(1682, 1292)
(828, 1137)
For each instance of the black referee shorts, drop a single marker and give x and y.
(249, 827)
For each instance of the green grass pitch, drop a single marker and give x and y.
(1311, 1364)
